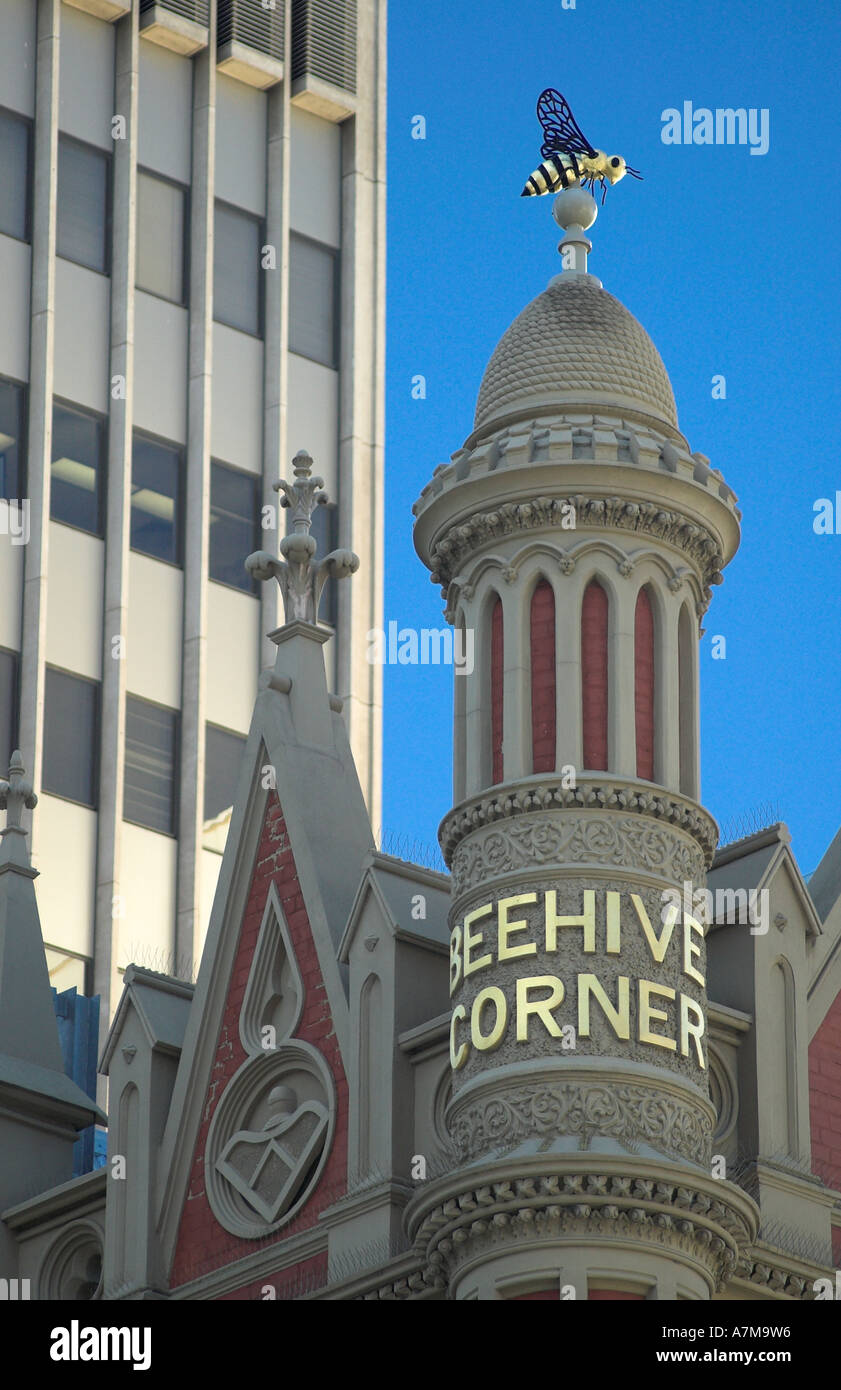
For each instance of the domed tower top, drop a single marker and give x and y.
(575, 346)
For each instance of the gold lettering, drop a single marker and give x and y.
(542, 1007)
(477, 939)
(614, 929)
(505, 928)
(658, 946)
(587, 920)
(691, 949)
(458, 1056)
(618, 1016)
(488, 1042)
(455, 959)
(687, 1029)
(649, 1015)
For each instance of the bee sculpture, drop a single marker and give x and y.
(568, 156)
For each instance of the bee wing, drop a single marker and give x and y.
(560, 128)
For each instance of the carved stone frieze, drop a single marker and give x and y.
(627, 842)
(614, 513)
(523, 799)
(630, 1114)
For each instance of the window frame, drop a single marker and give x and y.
(232, 733)
(335, 253)
(260, 331)
(184, 301)
(97, 739)
(64, 137)
(254, 589)
(181, 450)
(102, 420)
(16, 657)
(28, 123)
(23, 442)
(176, 768)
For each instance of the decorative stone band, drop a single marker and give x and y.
(506, 803)
(563, 840)
(695, 1220)
(615, 513)
(659, 1116)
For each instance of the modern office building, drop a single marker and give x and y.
(192, 262)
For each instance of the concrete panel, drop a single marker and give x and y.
(17, 55)
(66, 855)
(313, 416)
(316, 190)
(86, 77)
(165, 96)
(233, 648)
(74, 611)
(82, 307)
(11, 585)
(147, 890)
(240, 145)
(236, 432)
(209, 867)
(154, 631)
(15, 261)
(160, 368)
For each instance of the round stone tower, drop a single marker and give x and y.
(576, 538)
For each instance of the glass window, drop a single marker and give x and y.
(151, 753)
(237, 243)
(325, 528)
(161, 221)
(14, 176)
(12, 439)
(234, 525)
(71, 737)
(82, 231)
(8, 708)
(223, 758)
(156, 471)
(313, 300)
(78, 469)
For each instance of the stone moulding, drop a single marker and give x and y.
(616, 513)
(630, 1114)
(626, 842)
(694, 1218)
(508, 802)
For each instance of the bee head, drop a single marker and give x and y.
(616, 168)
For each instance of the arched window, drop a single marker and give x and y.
(542, 650)
(460, 719)
(496, 691)
(594, 613)
(644, 684)
(686, 703)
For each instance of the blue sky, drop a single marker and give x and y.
(730, 262)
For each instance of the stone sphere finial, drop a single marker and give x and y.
(575, 207)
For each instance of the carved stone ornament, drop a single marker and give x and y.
(508, 803)
(630, 1114)
(622, 842)
(615, 513)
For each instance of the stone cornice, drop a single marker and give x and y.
(591, 794)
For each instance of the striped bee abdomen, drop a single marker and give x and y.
(558, 171)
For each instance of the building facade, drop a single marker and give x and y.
(192, 249)
(597, 1060)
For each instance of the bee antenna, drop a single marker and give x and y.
(635, 173)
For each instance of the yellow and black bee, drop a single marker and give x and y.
(568, 156)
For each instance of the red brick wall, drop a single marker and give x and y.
(594, 676)
(644, 684)
(825, 1103)
(496, 691)
(202, 1243)
(543, 678)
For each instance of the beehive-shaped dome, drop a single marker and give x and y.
(574, 346)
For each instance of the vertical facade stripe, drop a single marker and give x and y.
(543, 697)
(40, 396)
(594, 676)
(497, 671)
(644, 685)
(197, 506)
(118, 502)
